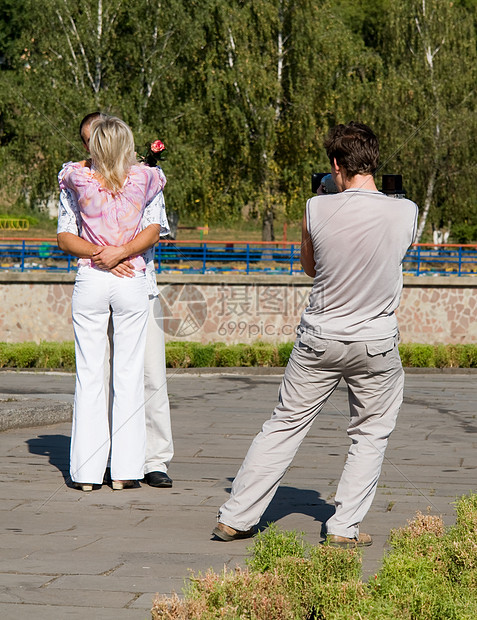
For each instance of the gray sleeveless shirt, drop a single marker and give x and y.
(360, 238)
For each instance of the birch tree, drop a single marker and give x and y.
(156, 39)
(431, 100)
(274, 79)
(76, 41)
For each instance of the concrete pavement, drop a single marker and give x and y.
(103, 555)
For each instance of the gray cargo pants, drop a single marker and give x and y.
(374, 376)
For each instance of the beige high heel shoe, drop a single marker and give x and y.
(119, 485)
(83, 486)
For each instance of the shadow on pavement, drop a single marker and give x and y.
(56, 448)
(290, 500)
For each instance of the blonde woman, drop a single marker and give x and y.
(112, 192)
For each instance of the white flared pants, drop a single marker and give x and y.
(97, 294)
(159, 443)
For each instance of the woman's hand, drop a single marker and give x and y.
(108, 257)
(123, 270)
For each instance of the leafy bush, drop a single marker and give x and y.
(464, 233)
(218, 354)
(273, 544)
(430, 574)
(201, 355)
(438, 355)
(231, 355)
(32, 355)
(284, 352)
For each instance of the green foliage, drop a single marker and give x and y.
(195, 355)
(430, 50)
(421, 355)
(464, 233)
(272, 544)
(42, 355)
(33, 221)
(242, 93)
(284, 352)
(429, 574)
(439, 355)
(218, 354)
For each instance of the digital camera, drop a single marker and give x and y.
(391, 184)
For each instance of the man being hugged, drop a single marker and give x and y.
(353, 244)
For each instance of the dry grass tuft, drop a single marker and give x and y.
(424, 524)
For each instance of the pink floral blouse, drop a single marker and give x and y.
(107, 218)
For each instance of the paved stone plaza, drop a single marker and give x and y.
(103, 555)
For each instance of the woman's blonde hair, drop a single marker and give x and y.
(111, 146)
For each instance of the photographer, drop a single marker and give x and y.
(353, 243)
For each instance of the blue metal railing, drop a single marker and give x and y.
(237, 257)
(441, 260)
(220, 257)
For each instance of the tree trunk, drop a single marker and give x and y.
(267, 225)
(427, 205)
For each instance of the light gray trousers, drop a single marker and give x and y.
(375, 379)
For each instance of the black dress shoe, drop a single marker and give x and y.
(158, 479)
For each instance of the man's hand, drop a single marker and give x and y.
(123, 270)
(108, 257)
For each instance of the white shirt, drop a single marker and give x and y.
(69, 220)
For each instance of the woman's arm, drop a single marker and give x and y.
(72, 244)
(76, 246)
(109, 256)
(307, 255)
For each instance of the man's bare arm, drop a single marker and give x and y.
(307, 257)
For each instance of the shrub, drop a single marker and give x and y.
(418, 355)
(466, 355)
(31, 355)
(196, 355)
(176, 355)
(230, 596)
(56, 355)
(273, 544)
(201, 355)
(439, 355)
(265, 354)
(284, 352)
(228, 356)
(429, 574)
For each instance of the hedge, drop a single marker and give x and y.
(61, 355)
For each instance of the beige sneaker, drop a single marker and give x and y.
(363, 540)
(226, 533)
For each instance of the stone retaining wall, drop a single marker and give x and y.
(231, 309)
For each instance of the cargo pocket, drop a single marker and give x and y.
(313, 344)
(382, 355)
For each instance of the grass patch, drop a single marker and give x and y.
(60, 355)
(429, 574)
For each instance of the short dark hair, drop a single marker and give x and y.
(87, 120)
(355, 147)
